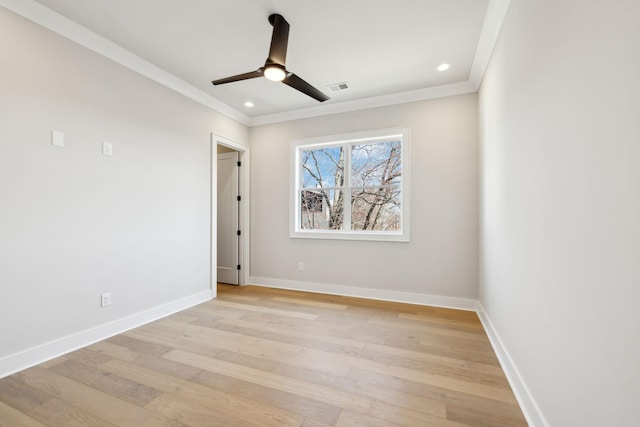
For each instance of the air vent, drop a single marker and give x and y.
(337, 87)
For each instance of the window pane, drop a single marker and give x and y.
(321, 209)
(376, 209)
(376, 163)
(322, 167)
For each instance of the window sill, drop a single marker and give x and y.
(351, 235)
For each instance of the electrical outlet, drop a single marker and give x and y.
(300, 266)
(105, 299)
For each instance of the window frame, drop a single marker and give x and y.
(347, 140)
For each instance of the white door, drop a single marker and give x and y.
(228, 218)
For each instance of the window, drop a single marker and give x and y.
(352, 186)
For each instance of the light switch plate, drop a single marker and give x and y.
(107, 149)
(57, 138)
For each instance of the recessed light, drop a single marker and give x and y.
(444, 67)
(248, 104)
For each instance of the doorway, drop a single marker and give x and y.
(234, 242)
(229, 199)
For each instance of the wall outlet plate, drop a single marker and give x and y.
(105, 299)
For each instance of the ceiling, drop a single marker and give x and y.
(384, 50)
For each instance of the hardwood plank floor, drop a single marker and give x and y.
(267, 357)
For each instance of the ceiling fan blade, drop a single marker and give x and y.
(304, 87)
(279, 39)
(245, 76)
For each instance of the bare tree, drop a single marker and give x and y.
(377, 208)
(331, 192)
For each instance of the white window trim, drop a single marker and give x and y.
(294, 180)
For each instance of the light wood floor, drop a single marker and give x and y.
(266, 357)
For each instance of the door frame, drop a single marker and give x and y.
(244, 222)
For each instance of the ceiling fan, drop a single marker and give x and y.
(274, 68)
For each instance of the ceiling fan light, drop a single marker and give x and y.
(275, 73)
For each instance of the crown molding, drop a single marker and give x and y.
(493, 20)
(34, 11)
(362, 104)
(81, 35)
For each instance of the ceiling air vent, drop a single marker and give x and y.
(337, 87)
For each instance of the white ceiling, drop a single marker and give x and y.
(380, 48)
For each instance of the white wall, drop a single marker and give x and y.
(560, 214)
(441, 258)
(74, 223)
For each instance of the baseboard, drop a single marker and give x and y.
(527, 403)
(369, 293)
(36, 355)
